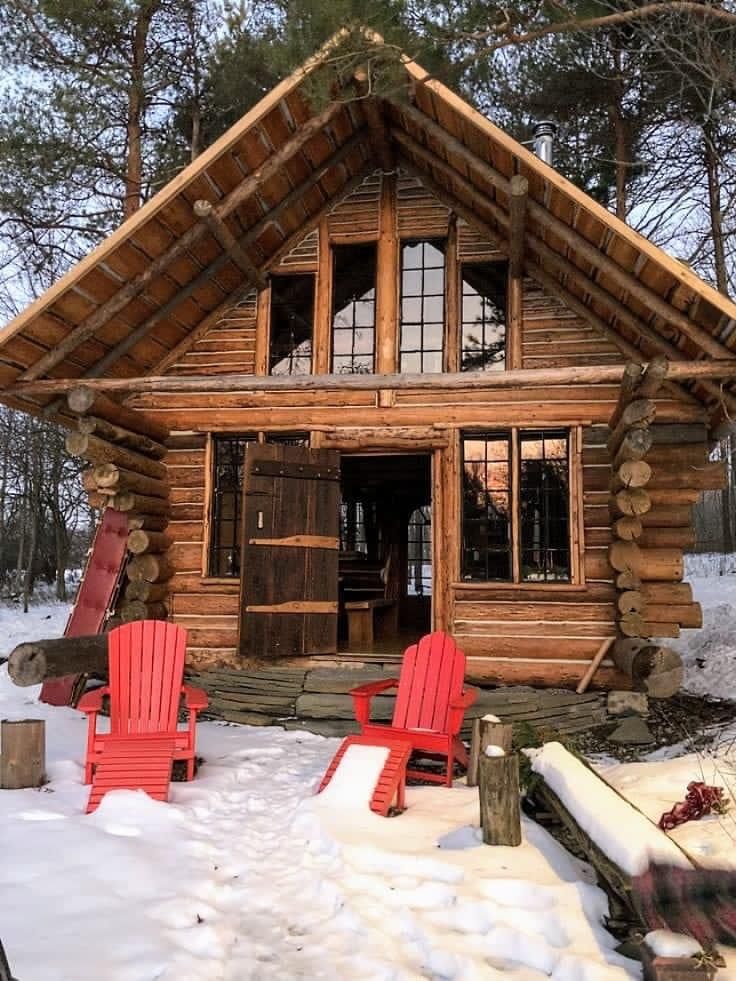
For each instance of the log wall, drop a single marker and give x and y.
(534, 634)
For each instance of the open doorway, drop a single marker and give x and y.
(385, 565)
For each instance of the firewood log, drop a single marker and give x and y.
(113, 479)
(31, 663)
(94, 426)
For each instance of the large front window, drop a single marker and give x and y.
(422, 326)
(353, 309)
(516, 524)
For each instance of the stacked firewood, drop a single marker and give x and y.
(126, 451)
(645, 554)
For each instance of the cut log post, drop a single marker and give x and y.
(138, 610)
(628, 528)
(32, 663)
(140, 542)
(635, 445)
(23, 759)
(637, 415)
(85, 401)
(631, 473)
(149, 592)
(633, 625)
(630, 601)
(633, 502)
(127, 501)
(94, 426)
(112, 479)
(624, 556)
(628, 580)
(486, 733)
(147, 522)
(653, 377)
(500, 810)
(150, 568)
(519, 190)
(100, 451)
(631, 378)
(656, 670)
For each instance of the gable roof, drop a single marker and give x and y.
(166, 275)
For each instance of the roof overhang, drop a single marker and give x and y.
(168, 273)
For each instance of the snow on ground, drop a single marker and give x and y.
(709, 654)
(245, 875)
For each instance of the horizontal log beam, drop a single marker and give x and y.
(515, 378)
(34, 662)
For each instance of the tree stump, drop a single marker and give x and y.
(486, 733)
(500, 810)
(22, 753)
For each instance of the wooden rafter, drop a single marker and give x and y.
(207, 213)
(375, 119)
(229, 203)
(570, 236)
(519, 193)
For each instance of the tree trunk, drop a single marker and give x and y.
(715, 211)
(136, 109)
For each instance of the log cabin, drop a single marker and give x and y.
(368, 367)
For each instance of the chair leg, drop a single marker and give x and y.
(450, 767)
(190, 769)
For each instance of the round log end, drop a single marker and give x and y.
(27, 665)
(80, 399)
(202, 208)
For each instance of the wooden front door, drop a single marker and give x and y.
(291, 541)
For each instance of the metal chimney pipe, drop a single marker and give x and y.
(544, 133)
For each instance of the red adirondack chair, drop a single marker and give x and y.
(430, 702)
(146, 668)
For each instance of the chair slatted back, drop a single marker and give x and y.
(432, 673)
(146, 665)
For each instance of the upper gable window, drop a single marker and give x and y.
(483, 334)
(353, 309)
(422, 326)
(292, 324)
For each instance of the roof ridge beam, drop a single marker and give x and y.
(571, 237)
(233, 200)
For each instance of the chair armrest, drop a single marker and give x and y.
(91, 701)
(466, 699)
(194, 698)
(374, 687)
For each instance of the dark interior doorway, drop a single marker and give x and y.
(386, 545)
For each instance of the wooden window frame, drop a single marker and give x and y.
(575, 512)
(449, 269)
(328, 255)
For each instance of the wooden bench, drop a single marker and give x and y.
(370, 620)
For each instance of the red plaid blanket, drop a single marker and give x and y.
(699, 902)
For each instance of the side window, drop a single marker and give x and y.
(227, 489)
(422, 310)
(292, 325)
(483, 313)
(353, 309)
